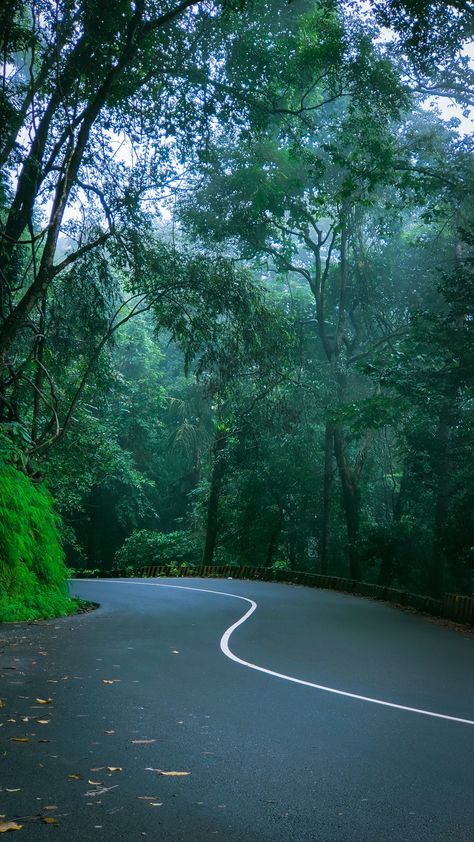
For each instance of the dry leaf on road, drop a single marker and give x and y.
(173, 774)
(20, 739)
(44, 701)
(4, 826)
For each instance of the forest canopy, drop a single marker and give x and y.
(236, 290)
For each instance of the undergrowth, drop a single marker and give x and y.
(32, 570)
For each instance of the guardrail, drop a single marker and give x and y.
(452, 607)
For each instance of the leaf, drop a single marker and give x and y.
(95, 783)
(44, 701)
(107, 681)
(75, 777)
(5, 826)
(50, 807)
(114, 769)
(20, 739)
(49, 820)
(97, 768)
(109, 732)
(175, 652)
(142, 742)
(173, 774)
(12, 790)
(156, 804)
(43, 721)
(3, 703)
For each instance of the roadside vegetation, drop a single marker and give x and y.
(236, 292)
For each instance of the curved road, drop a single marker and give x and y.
(173, 676)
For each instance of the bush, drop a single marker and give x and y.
(33, 576)
(146, 547)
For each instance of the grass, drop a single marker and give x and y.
(33, 575)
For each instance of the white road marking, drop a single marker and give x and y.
(224, 645)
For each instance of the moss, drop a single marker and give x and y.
(33, 576)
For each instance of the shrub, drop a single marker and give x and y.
(32, 570)
(145, 547)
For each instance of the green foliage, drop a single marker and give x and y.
(146, 547)
(32, 571)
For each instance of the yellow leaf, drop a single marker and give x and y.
(20, 739)
(44, 701)
(114, 769)
(4, 826)
(49, 820)
(3, 703)
(174, 774)
(43, 721)
(75, 777)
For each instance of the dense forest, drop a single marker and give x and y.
(236, 291)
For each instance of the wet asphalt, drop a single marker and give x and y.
(140, 687)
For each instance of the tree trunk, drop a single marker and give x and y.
(273, 538)
(350, 501)
(327, 496)
(441, 466)
(213, 502)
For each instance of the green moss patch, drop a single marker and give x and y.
(33, 576)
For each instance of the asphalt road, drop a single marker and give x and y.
(142, 686)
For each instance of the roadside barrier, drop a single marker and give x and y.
(452, 606)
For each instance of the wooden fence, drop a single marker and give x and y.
(452, 607)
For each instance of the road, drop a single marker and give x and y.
(144, 686)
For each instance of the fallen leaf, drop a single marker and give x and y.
(11, 720)
(20, 739)
(95, 783)
(44, 701)
(109, 732)
(49, 820)
(50, 807)
(175, 652)
(173, 774)
(94, 792)
(107, 681)
(156, 804)
(75, 777)
(3, 703)
(142, 742)
(97, 769)
(114, 769)
(4, 826)
(43, 721)
(43, 741)
(12, 790)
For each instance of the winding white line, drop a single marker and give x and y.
(224, 645)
